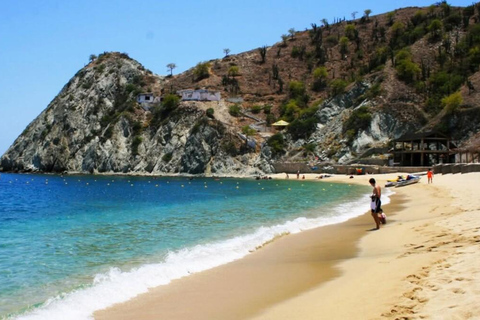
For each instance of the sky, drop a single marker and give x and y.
(44, 43)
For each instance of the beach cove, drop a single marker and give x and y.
(422, 264)
(74, 244)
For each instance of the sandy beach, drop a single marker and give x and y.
(423, 264)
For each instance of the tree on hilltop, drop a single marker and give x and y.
(226, 51)
(367, 13)
(291, 32)
(325, 23)
(171, 66)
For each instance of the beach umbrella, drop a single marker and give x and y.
(280, 123)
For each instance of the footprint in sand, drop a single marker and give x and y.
(458, 291)
(462, 279)
(442, 235)
(433, 287)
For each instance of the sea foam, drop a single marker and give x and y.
(118, 286)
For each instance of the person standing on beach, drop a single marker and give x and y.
(430, 176)
(376, 203)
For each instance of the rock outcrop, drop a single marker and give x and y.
(347, 89)
(95, 125)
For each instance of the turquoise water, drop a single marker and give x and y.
(75, 244)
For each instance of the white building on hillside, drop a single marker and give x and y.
(147, 98)
(199, 95)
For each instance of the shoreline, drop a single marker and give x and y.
(423, 265)
(399, 268)
(242, 293)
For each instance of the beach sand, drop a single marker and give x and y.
(423, 264)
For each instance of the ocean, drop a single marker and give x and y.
(70, 245)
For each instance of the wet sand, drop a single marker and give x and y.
(340, 271)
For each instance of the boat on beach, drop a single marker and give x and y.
(401, 181)
(411, 179)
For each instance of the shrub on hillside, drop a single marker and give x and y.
(210, 112)
(338, 86)
(276, 144)
(234, 110)
(360, 119)
(256, 109)
(201, 71)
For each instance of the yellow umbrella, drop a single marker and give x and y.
(280, 123)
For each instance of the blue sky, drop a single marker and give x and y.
(44, 43)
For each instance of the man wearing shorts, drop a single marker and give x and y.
(376, 203)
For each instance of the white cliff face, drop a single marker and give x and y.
(333, 114)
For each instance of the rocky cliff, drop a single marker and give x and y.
(345, 88)
(95, 125)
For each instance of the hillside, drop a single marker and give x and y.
(344, 87)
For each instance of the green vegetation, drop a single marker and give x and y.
(234, 110)
(452, 102)
(210, 112)
(87, 84)
(100, 68)
(332, 40)
(350, 32)
(360, 119)
(298, 52)
(137, 140)
(338, 86)
(161, 111)
(267, 109)
(233, 71)
(435, 28)
(248, 132)
(344, 42)
(309, 148)
(201, 71)
(277, 144)
(270, 119)
(320, 76)
(407, 70)
(302, 128)
(167, 157)
(230, 148)
(256, 109)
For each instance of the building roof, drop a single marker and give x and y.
(422, 135)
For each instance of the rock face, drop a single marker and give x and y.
(343, 99)
(95, 125)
